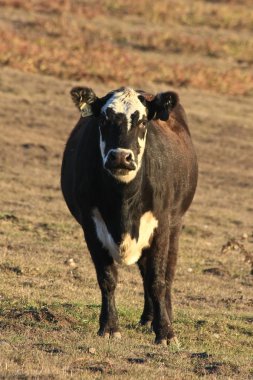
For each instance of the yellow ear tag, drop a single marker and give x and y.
(85, 110)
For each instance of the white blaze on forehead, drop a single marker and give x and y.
(129, 250)
(126, 101)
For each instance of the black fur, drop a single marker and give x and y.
(165, 185)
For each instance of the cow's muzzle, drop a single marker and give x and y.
(120, 160)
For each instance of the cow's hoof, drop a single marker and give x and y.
(147, 324)
(116, 335)
(172, 342)
(109, 335)
(162, 342)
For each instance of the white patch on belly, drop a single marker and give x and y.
(129, 251)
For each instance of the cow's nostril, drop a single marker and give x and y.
(128, 157)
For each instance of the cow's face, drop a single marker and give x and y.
(122, 118)
(122, 129)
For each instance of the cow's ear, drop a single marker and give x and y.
(85, 99)
(162, 104)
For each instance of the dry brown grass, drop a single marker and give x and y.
(48, 307)
(190, 44)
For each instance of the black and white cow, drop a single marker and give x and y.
(129, 173)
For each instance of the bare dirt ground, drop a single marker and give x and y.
(49, 297)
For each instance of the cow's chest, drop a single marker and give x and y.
(129, 250)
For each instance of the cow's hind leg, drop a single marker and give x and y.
(147, 314)
(107, 277)
(170, 271)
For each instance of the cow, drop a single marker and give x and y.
(129, 174)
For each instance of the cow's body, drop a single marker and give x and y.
(133, 216)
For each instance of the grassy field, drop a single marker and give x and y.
(49, 297)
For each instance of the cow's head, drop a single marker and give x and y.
(123, 119)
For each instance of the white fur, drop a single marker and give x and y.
(129, 250)
(103, 234)
(126, 102)
(102, 147)
(131, 174)
(127, 177)
(142, 144)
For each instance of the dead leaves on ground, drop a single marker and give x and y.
(238, 245)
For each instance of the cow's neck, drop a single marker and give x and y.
(123, 194)
(121, 205)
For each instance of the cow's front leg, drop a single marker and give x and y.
(147, 314)
(107, 277)
(157, 267)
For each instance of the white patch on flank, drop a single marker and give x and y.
(127, 102)
(129, 250)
